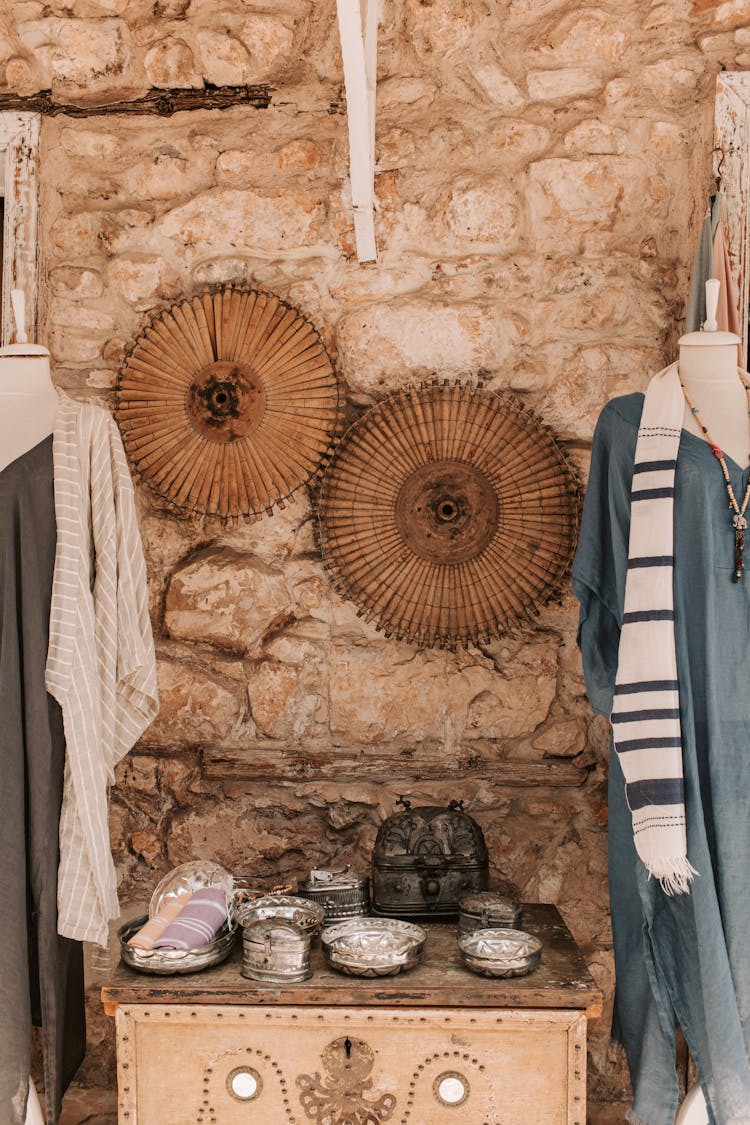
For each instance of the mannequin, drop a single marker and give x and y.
(708, 369)
(661, 532)
(29, 400)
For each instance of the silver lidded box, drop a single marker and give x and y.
(342, 893)
(487, 910)
(276, 950)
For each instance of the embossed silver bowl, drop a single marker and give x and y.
(500, 952)
(309, 916)
(373, 947)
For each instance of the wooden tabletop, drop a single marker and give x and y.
(560, 981)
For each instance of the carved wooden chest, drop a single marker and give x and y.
(438, 1046)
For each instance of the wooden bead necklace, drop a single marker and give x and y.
(739, 523)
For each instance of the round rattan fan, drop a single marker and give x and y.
(448, 514)
(228, 402)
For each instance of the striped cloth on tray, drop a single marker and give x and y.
(198, 922)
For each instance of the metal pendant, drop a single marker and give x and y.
(739, 547)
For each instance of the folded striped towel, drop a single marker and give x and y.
(198, 922)
(645, 716)
(155, 927)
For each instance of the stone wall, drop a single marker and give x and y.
(542, 168)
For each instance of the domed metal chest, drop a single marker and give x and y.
(425, 859)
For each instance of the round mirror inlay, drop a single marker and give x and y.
(451, 1088)
(244, 1084)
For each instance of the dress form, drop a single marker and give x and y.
(708, 369)
(28, 399)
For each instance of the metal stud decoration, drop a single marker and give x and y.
(228, 402)
(448, 514)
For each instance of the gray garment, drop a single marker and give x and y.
(686, 957)
(703, 266)
(41, 978)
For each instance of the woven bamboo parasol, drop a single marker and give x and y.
(448, 514)
(228, 402)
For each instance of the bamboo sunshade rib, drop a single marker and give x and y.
(228, 403)
(448, 514)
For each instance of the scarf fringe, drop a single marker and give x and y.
(633, 1119)
(674, 873)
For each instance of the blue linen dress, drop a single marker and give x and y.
(684, 958)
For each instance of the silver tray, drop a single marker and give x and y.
(304, 913)
(500, 952)
(166, 962)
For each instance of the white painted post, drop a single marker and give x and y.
(358, 29)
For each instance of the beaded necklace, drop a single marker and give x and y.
(739, 523)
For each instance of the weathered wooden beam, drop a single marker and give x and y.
(381, 764)
(162, 103)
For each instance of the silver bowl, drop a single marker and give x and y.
(309, 916)
(166, 962)
(500, 952)
(373, 947)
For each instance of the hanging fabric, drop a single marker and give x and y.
(712, 260)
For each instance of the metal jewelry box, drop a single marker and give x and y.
(425, 859)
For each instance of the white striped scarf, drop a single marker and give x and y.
(646, 710)
(100, 660)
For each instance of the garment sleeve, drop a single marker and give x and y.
(125, 646)
(137, 697)
(600, 564)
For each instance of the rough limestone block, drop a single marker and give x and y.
(392, 692)
(441, 29)
(515, 142)
(194, 708)
(90, 144)
(170, 64)
(80, 53)
(76, 284)
(227, 219)
(580, 36)
(573, 202)
(287, 700)
(227, 598)
(499, 88)
(484, 213)
(270, 43)
(224, 59)
(563, 84)
(143, 280)
(389, 345)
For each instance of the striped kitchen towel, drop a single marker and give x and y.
(198, 923)
(155, 927)
(646, 710)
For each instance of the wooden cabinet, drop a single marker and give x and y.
(436, 1046)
